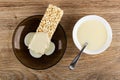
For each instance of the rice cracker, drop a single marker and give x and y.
(50, 20)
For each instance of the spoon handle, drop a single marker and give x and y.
(74, 61)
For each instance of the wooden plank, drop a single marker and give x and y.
(97, 67)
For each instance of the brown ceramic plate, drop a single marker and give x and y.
(22, 53)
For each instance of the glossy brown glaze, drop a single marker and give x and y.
(22, 52)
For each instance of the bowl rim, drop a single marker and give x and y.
(107, 26)
(13, 48)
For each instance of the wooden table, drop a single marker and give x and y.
(105, 66)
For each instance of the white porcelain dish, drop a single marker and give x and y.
(108, 29)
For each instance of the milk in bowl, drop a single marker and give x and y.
(94, 30)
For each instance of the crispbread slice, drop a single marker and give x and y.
(50, 20)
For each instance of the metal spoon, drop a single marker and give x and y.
(73, 63)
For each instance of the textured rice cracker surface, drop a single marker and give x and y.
(50, 20)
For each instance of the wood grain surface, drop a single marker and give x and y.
(105, 66)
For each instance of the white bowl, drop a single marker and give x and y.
(107, 26)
